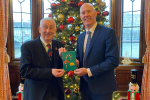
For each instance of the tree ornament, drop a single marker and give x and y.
(62, 27)
(66, 8)
(50, 15)
(68, 96)
(98, 13)
(73, 42)
(70, 20)
(71, 86)
(72, 3)
(72, 38)
(76, 89)
(63, 43)
(67, 91)
(58, 4)
(70, 73)
(63, 1)
(83, 25)
(101, 23)
(77, 28)
(102, 4)
(105, 13)
(98, 1)
(77, 78)
(53, 5)
(80, 3)
(61, 17)
(90, 1)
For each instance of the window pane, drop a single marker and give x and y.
(137, 5)
(127, 5)
(136, 18)
(26, 20)
(26, 6)
(126, 35)
(47, 5)
(17, 46)
(17, 19)
(127, 19)
(21, 24)
(46, 15)
(16, 6)
(135, 50)
(126, 47)
(131, 28)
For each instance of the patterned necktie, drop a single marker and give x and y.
(87, 46)
(49, 50)
(86, 52)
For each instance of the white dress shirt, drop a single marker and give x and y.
(92, 29)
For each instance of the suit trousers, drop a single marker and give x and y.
(86, 94)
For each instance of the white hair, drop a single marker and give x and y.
(47, 18)
(86, 4)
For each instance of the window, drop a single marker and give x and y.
(130, 36)
(22, 28)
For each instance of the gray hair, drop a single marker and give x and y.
(47, 18)
(88, 4)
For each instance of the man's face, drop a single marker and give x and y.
(47, 30)
(87, 15)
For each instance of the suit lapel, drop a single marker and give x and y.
(82, 44)
(41, 52)
(54, 53)
(94, 37)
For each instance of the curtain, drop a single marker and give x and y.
(145, 91)
(5, 92)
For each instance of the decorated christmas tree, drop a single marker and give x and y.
(66, 14)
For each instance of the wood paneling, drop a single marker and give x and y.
(123, 77)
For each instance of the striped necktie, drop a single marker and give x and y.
(86, 52)
(49, 50)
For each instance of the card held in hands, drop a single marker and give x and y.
(69, 60)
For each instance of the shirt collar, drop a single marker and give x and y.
(44, 41)
(92, 28)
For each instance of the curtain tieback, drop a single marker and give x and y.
(7, 58)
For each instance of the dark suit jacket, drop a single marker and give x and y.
(102, 58)
(36, 69)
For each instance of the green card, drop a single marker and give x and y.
(69, 60)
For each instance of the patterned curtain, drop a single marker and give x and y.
(5, 92)
(145, 91)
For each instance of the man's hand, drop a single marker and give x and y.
(77, 63)
(60, 50)
(81, 71)
(58, 72)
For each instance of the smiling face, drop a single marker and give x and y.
(47, 30)
(88, 15)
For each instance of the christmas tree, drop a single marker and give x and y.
(66, 14)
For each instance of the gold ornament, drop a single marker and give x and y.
(77, 78)
(75, 85)
(58, 10)
(98, 1)
(61, 17)
(71, 86)
(68, 96)
(66, 8)
(55, 19)
(90, 1)
(77, 28)
(76, 89)
(66, 86)
(101, 23)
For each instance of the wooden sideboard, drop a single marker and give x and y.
(123, 77)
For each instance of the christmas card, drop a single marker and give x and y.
(69, 60)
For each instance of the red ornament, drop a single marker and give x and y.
(83, 25)
(63, 43)
(80, 3)
(72, 3)
(73, 42)
(53, 5)
(72, 38)
(70, 20)
(70, 73)
(50, 15)
(58, 4)
(98, 13)
(63, 1)
(106, 13)
(67, 91)
(62, 27)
